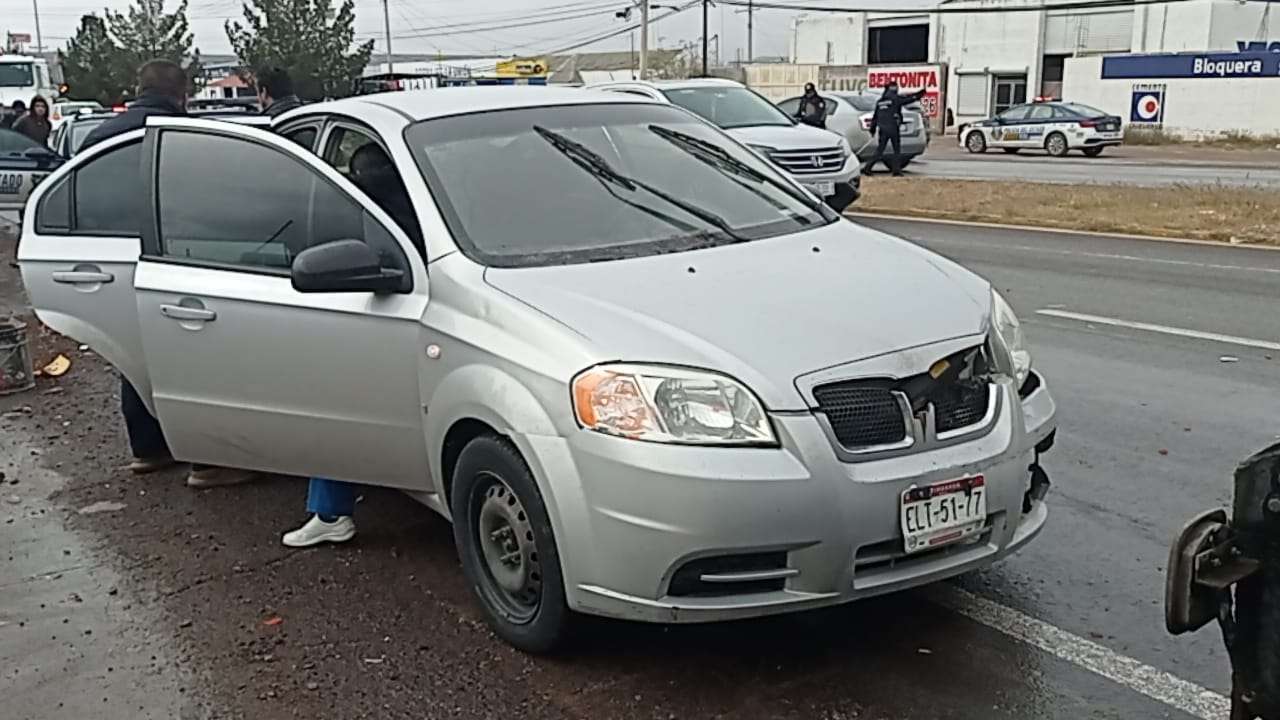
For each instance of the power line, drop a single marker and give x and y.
(948, 10)
(437, 32)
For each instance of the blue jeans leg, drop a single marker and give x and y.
(331, 498)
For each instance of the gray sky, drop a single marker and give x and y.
(59, 18)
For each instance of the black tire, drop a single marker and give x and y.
(1056, 144)
(976, 142)
(1011, 151)
(906, 161)
(845, 196)
(1093, 151)
(489, 468)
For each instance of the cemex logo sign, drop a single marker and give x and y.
(1146, 107)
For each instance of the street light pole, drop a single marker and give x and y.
(35, 7)
(386, 23)
(644, 39)
(705, 39)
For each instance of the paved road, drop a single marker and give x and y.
(1071, 628)
(945, 160)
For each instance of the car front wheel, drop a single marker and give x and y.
(976, 142)
(507, 548)
(1056, 144)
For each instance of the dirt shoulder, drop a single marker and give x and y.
(1221, 214)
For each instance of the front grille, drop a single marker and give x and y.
(862, 416)
(809, 162)
(961, 405)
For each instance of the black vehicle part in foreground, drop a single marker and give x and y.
(1229, 570)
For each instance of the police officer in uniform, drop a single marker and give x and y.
(886, 122)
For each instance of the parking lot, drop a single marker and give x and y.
(1161, 357)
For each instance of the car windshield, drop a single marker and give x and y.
(80, 130)
(15, 142)
(587, 183)
(728, 106)
(1083, 110)
(17, 75)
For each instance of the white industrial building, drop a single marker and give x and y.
(990, 55)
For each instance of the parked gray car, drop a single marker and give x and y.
(849, 114)
(643, 372)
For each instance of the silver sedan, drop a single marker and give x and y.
(671, 385)
(849, 114)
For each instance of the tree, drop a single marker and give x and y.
(146, 32)
(102, 60)
(92, 65)
(307, 38)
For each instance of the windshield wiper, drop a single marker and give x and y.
(714, 154)
(591, 161)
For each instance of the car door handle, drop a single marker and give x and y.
(179, 312)
(82, 277)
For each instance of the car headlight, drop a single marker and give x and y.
(845, 149)
(1008, 332)
(670, 405)
(764, 150)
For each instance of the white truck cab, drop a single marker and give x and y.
(22, 77)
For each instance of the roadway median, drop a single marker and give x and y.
(1236, 215)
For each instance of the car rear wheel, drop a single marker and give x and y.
(507, 548)
(976, 142)
(1093, 151)
(1011, 151)
(1056, 144)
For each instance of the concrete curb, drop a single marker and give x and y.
(1060, 231)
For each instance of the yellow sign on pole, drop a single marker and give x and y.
(522, 67)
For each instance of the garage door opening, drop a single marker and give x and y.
(898, 44)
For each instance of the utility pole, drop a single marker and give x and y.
(751, 26)
(386, 24)
(35, 7)
(705, 38)
(644, 39)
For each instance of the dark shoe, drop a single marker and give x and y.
(207, 477)
(144, 466)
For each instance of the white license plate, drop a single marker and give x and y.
(823, 189)
(941, 514)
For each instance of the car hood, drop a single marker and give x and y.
(764, 312)
(785, 137)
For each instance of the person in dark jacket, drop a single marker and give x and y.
(17, 110)
(813, 109)
(275, 92)
(886, 123)
(162, 90)
(35, 124)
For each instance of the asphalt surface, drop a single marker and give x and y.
(946, 160)
(1152, 424)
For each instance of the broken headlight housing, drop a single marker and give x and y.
(670, 405)
(1007, 334)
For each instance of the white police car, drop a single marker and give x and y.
(23, 164)
(1056, 127)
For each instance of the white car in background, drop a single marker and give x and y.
(1056, 127)
(820, 160)
(63, 109)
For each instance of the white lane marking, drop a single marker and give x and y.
(1165, 329)
(1154, 683)
(1102, 256)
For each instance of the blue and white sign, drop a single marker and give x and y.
(1192, 65)
(1146, 107)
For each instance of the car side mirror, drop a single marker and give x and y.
(343, 266)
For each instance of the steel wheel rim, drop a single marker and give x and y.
(1057, 145)
(975, 142)
(506, 550)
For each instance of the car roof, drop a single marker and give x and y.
(417, 105)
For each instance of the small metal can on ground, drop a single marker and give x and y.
(16, 372)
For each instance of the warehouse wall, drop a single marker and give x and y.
(1193, 108)
(842, 35)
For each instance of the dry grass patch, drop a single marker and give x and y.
(1224, 214)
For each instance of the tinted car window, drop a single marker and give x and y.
(15, 142)
(80, 130)
(55, 210)
(629, 180)
(109, 193)
(1084, 110)
(863, 103)
(253, 206)
(306, 137)
(1041, 112)
(1016, 113)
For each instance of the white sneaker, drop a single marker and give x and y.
(317, 531)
